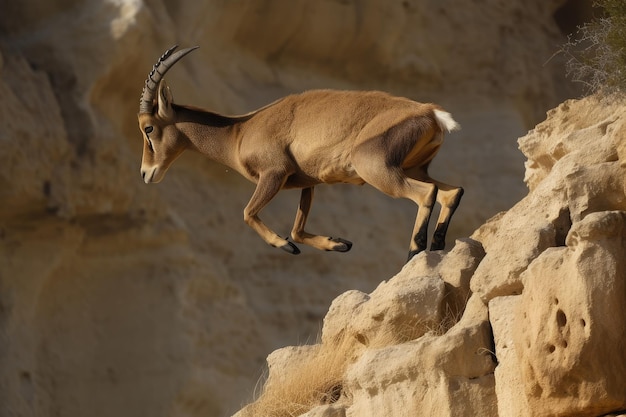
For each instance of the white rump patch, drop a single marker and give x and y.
(445, 121)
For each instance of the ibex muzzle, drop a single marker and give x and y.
(299, 141)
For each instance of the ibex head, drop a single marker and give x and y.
(156, 119)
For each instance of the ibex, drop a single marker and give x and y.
(302, 140)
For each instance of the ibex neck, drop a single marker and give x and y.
(211, 134)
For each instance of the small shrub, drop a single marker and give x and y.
(596, 56)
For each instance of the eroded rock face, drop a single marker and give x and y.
(119, 298)
(543, 332)
(449, 375)
(570, 324)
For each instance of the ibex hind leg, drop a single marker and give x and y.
(449, 200)
(299, 235)
(393, 181)
(381, 162)
(426, 197)
(448, 197)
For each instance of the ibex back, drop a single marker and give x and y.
(302, 140)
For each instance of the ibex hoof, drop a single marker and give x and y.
(440, 245)
(413, 253)
(342, 244)
(291, 248)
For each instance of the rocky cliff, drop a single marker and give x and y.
(118, 298)
(527, 317)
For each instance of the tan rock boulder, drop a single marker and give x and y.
(572, 170)
(122, 299)
(447, 375)
(401, 309)
(428, 294)
(570, 325)
(513, 239)
(509, 385)
(377, 346)
(550, 341)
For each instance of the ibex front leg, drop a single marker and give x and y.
(320, 242)
(267, 187)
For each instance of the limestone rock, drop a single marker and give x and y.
(448, 374)
(597, 127)
(570, 329)
(428, 294)
(456, 269)
(543, 329)
(509, 382)
(513, 239)
(384, 340)
(403, 308)
(580, 175)
(119, 298)
(326, 411)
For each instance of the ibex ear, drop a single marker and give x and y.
(166, 112)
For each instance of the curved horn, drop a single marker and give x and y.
(164, 63)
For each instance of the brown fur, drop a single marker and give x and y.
(320, 136)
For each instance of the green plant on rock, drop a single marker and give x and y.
(596, 56)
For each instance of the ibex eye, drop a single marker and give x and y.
(148, 129)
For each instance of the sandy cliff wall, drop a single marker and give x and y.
(525, 318)
(119, 298)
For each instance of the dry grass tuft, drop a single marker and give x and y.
(317, 376)
(316, 380)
